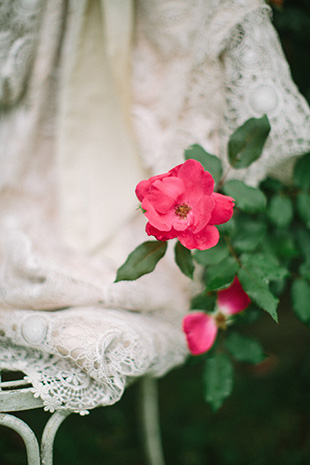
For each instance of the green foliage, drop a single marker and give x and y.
(227, 228)
(203, 301)
(266, 244)
(218, 379)
(212, 256)
(266, 266)
(249, 235)
(221, 275)
(280, 211)
(244, 349)
(257, 289)
(247, 142)
(304, 270)
(301, 299)
(303, 207)
(248, 199)
(183, 259)
(210, 162)
(283, 244)
(141, 261)
(301, 176)
(303, 242)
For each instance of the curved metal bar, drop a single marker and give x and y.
(28, 436)
(150, 422)
(49, 434)
(19, 399)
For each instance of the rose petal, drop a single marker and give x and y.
(160, 235)
(165, 194)
(196, 180)
(200, 331)
(223, 209)
(202, 212)
(161, 222)
(142, 189)
(233, 299)
(205, 239)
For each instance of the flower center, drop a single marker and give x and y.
(182, 210)
(221, 321)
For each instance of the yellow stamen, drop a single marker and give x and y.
(182, 210)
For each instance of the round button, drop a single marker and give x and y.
(249, 56)
(34, 329)
(264, 99)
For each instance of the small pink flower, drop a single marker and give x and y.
(201, 329)
(181, 204)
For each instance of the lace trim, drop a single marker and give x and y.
(257, 82)
(86, 356)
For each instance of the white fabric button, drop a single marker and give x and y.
(34, 329)
(264, 99)
(249, 56)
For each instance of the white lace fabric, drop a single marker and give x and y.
(79, 359)
(196, 84)
(199, 69)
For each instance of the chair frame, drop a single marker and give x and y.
(17, 396)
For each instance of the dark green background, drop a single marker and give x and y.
(265, 421)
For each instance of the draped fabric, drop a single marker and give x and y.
(95, 95)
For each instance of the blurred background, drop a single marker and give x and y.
(267, 418)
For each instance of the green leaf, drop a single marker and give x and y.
(265, 266)
(280, 211)
(210, 162)
(212, 256)
(301, 299)
(303, 207)
(218, 380)
(277, 287)
(227, 228)
(301, 175)
(271, 184)
(249, 235)
(282, 244)
(304, 270)
(183, 258)
(221, 275)
(203, 302)
(247, 142)
(244, 349)
(257, 289)
(303, 242)
(248, 199)
(141, 261)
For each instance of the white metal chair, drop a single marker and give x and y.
(17, 396)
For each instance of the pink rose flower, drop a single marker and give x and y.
(181, 204)
(201, 329)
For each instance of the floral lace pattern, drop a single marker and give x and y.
(86, 359)
(258, 82)
(202, 69)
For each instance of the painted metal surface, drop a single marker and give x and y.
(15, 397)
